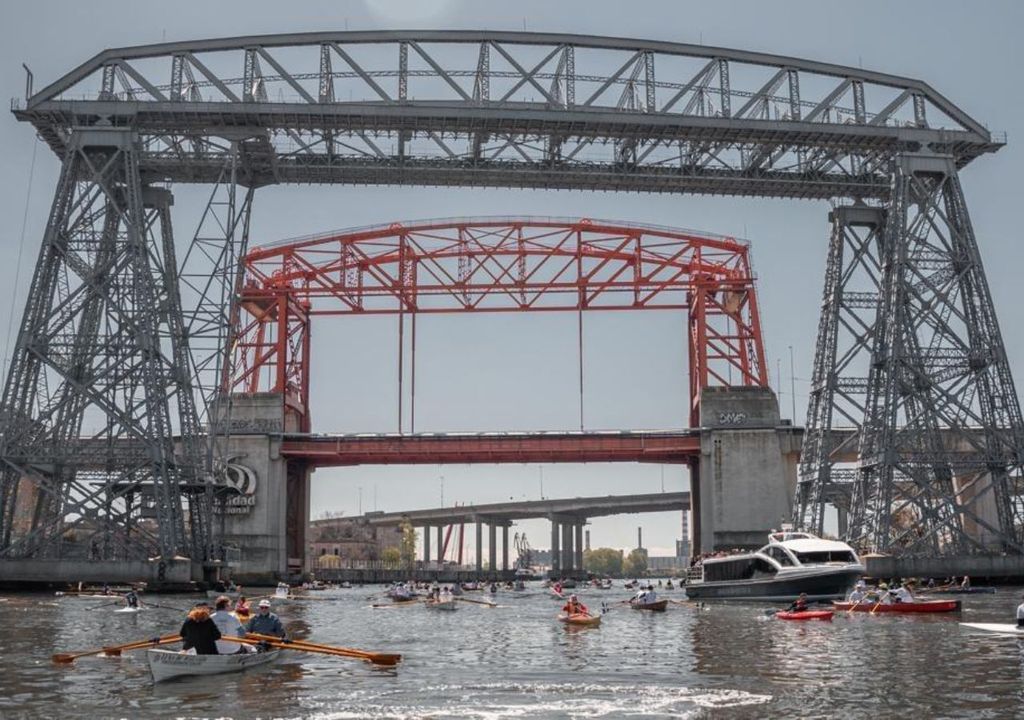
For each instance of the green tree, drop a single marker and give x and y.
(391, 556)
(636, 563)
(407, 545)
(603, 561)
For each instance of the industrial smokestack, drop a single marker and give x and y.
(640, 538)
(587, 545)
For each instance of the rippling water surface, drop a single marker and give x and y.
(516, 661)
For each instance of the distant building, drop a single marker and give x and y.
(336, 542)
(669, 562)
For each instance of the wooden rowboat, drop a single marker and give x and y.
(446, 604)
(167, 664)
(925, 606)
(656, 606)
(580, 619)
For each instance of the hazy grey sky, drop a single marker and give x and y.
(519, 372)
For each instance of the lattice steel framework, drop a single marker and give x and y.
(474, 108)
(513, 264)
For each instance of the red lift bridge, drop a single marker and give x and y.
(508, 264)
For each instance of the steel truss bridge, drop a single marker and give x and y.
(121, 339)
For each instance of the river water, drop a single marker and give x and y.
(516, 661)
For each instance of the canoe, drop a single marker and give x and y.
(580, 619)
(925, 606)
(656, 606)
(998, 628)
(804, 615)
(167, 664)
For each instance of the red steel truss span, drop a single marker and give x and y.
(506, 264)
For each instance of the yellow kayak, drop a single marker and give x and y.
(580, 619)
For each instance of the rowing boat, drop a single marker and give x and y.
(980, 590)
(804, 615)
(580, 619)
(656, 606)
(998, 628)
(128, 610)
(167, 664)
(924, 606)
(446, 604)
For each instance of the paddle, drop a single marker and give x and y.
(106, 604)
(162, 607)
(115, 649)
(853, 607)
(373, 657)
(880, 599)
(478, 602)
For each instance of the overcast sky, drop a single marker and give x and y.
(519, 372)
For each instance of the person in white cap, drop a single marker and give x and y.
(858, 593)
(265, 622)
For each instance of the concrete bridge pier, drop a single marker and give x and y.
(747, 472)
(266, 517)
(556, 550)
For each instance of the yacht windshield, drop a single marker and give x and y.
(812, 558)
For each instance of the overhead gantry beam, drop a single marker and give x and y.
(502, 109)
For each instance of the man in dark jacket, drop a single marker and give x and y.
(265, 622)
(200, 632)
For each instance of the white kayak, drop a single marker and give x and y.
(999, 628)
(167, 664)
(129, 610)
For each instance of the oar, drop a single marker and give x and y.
(143, 603)
(880, 598)
(687, 603)
(478, 602)
(853, 607)
(115, 649)
(106, 604)
(396, 603)
(373, 657)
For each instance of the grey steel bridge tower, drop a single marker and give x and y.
(914, 427)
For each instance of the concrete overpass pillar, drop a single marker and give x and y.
(492, 547)
(743, 488)
(844, 520)
(504, 548)
(426, 544)
(567, 568)
(578, 547)
(440, 545)
(479, 547)
(556, 551)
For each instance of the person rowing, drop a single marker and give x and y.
(131, 600)
(903, 594)
(800, 604)
(242, 606)
(1020, 614)
(575, 607)
(858, 594)
(265, 622)
(229, 626)
(199, 632)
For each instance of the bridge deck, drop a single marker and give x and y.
(459, 448)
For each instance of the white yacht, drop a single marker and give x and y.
(791, 563)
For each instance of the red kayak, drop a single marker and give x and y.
(804, 615)
(924, 606)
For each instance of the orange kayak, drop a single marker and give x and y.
(580, 619)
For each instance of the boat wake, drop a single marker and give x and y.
(487, 701)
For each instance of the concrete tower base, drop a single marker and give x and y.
(747, 471)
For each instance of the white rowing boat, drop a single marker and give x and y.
(167, 664)
(998, 628)
(129, 610)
